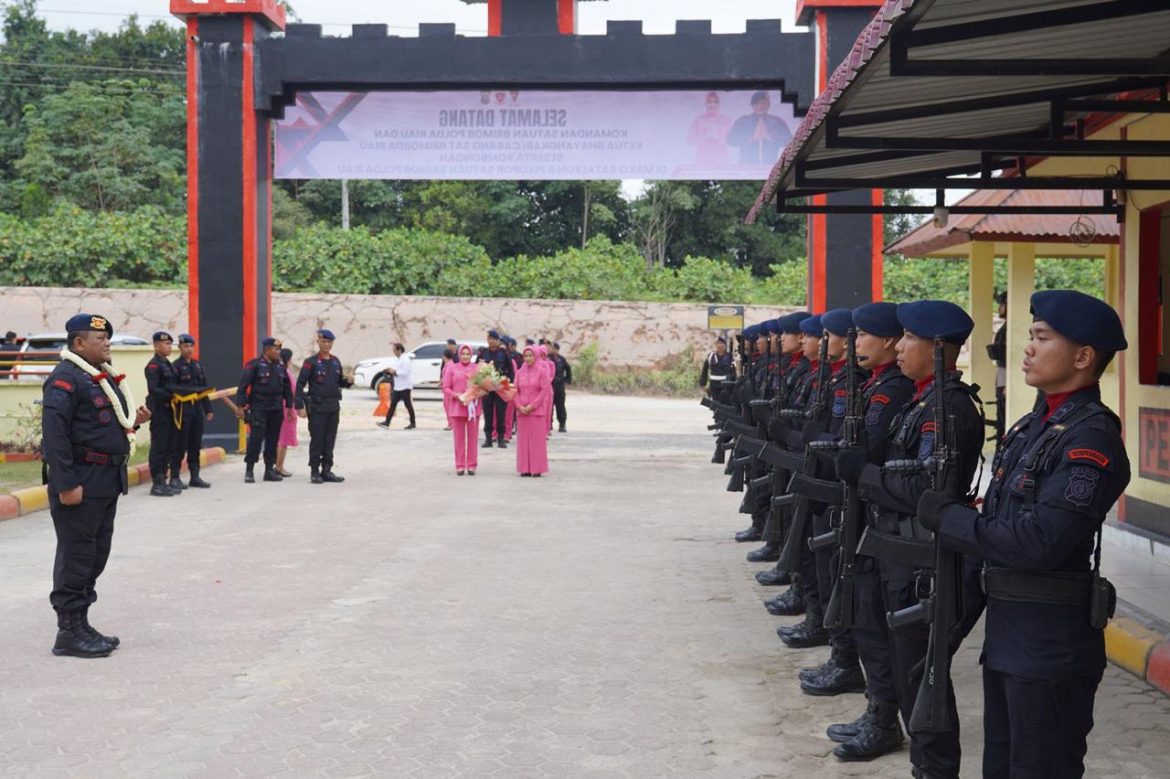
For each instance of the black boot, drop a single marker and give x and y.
(176, 485)
(561, 428)
(159, 488)
(842, 675)
(315, 475)
(768, 553)
(270, 474)
(846, 731)
(249, 476)
(879, 736)
(812, 673)
(196, 481)
(787, 604)
(486, 444)
(810, 632)
(753, 533)
(73, 640)
(773, 577)
(113, 641)
(330, 476)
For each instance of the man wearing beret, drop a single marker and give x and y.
(718, 371)
(261, 399)
(885, 393)
(1057, 473)
(160, 388)
(87, 423)
(190, 378)
(494, 407)
(893, 497)
(318, 397)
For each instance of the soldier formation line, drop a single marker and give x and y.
(857, 447)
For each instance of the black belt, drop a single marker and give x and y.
(94, 457)
(1063, 588)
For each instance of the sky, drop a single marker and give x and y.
(403, 16)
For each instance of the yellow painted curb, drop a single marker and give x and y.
(133, 477)
(1129, 644)
(32, 499)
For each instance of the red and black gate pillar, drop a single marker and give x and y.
(844, 250)
(531, 17)
(229, 190)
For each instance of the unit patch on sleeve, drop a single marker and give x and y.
(1082, 485)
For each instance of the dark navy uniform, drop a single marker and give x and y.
(562, 377)
(494, 407)
(1057, 473)
(265, 394)
(160, 388)
(189, 377)
(319, 386)
(85, 446)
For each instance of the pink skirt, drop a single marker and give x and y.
(288, 432)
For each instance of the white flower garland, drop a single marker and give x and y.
(104, 382)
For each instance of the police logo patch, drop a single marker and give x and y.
(104, 417)
(58, 398)
(926, 445)
(1082, 486)
(877, 405)
(839, 403)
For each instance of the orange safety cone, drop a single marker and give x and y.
(383, 400)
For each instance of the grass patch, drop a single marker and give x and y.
(17, 476)
(677, 378)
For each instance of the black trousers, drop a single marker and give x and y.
(1036, 728)
(188, 442)
(404, 397)
(559, 403)
(322, 437)
(938, 754)
(494, 411)
(871, 633)
(162, 440)
(265, 433)
(826, 562)
(84, 533)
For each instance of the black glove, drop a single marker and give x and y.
(849, 464)
(931, 506)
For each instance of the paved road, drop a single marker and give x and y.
(594, 623)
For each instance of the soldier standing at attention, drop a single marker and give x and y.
(718, 373)
(494, 407)
(189, 437)
(563, 376)
(160, 388)
(263, 395)
(1057, 473)
(318, 397)
(87, 425)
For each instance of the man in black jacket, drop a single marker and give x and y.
(318, 397)
(160, 388)
(262, 398)
(494, 407)
(190, 381)
(562, 376)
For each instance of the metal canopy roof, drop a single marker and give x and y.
(936, 89)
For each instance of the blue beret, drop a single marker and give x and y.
(750, 332)
(83, 322)
(880, 319)
(1079, 317)
(269, 341)
(771, 326)
(812, 326)
(790, 323)
(838, 321)
(327, 334)
(936, 319)
(186, 338)
(162, 335)
(494, 334)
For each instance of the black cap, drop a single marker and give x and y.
(270, 341)
(162, 336)
(83, 322)
(186, 338)
(1082, 318)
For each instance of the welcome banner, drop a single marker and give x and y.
(522, 134)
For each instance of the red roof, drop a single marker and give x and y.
(1047, 228)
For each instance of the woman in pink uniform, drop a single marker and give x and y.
(533, 390)
(288, 428)
(462, 416)
(546, 365)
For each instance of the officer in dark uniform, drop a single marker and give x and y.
(160, 388)
(886, 392)
(321, 381)
(893, 497)
(562, 377)
(190, 378)
(494, 407)
(261, 399)
(86, 446)
(718, 371)
(1056, 475)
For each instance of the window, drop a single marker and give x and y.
(429, 352)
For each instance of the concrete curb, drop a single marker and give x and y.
(1140, 649)
(30, 499)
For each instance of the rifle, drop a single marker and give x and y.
(792, 552)
(940, 607)
(839, 611)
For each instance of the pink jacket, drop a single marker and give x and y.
(455, 377)
(533, 387)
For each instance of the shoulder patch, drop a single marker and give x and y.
(62, 384)
(926, 443)
(1082, 486)
(1092, 455)
(152, 366)
(877, 405)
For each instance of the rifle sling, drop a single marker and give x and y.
(1057, 588)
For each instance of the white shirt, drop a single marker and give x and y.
(402, 379)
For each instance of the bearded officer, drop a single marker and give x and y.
(87, 425)
(189, 378)
(318, 397)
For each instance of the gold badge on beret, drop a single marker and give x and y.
(97, 323)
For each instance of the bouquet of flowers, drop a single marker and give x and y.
(486, 380)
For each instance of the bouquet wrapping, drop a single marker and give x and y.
(486, 380)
